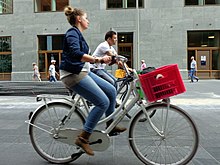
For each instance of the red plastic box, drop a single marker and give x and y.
(161, 83)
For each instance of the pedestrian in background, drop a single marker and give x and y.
(143, 65)
(52, 71)
(193, 68)
(36, 74)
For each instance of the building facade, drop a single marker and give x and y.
(159, 31)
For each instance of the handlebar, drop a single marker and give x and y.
(121, 58)
(124, 60)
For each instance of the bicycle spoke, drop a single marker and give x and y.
(44, 136)
(178, 143)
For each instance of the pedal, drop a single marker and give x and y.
(77, 154)
(38, 99)
(114, 134)
(117, 104)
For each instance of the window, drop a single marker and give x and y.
(5, 58)
(125, 37)
(6, 6)
(125, 46)
(203, 39)
(50, 42)
(124, 4)
(215, 60)
(5, 44)
(207, 2)
(202, 2)
(191, 2)
(50, 5)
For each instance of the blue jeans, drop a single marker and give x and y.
(105, 75)
(101, 93)
(192, 74)
(53, 78)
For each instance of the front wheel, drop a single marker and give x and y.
(43, 130)
(178, 143)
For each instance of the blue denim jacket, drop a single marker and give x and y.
(74, 48)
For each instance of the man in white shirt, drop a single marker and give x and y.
(105, 48)
(193, 68)
(52, 71)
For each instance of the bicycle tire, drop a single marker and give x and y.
(178, 146)
(45, 144)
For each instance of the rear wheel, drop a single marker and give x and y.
(43, 130)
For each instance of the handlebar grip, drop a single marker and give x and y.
(121, 58)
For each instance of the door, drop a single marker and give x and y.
(125, 46)
(203, 64)
(126, 49)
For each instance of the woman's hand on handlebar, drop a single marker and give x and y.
(105, 59)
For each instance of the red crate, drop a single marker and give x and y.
(161, 83)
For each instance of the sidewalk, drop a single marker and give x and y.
(205, 94)
(31, 88)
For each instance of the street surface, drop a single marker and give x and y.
(201, 101)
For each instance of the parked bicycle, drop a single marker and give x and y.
(170, 136)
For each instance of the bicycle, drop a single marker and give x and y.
(169, 137)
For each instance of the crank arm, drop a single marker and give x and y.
(99, 141)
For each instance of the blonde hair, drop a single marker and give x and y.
(71, 14)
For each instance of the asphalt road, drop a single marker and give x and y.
(201, 101)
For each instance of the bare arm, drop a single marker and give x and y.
(110, 53)
(92, 59)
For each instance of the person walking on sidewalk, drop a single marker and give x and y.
(36, 74)
(193, 68)
(75, 74)
(143, 65)
(52, 71)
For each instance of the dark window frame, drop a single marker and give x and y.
(38, 8)
(123, 4)
(10, 12)
(3, 42)
(204, 3)
(6, 67)
(203, 38)
(54, 37)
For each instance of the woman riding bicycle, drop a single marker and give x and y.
(75, 74)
